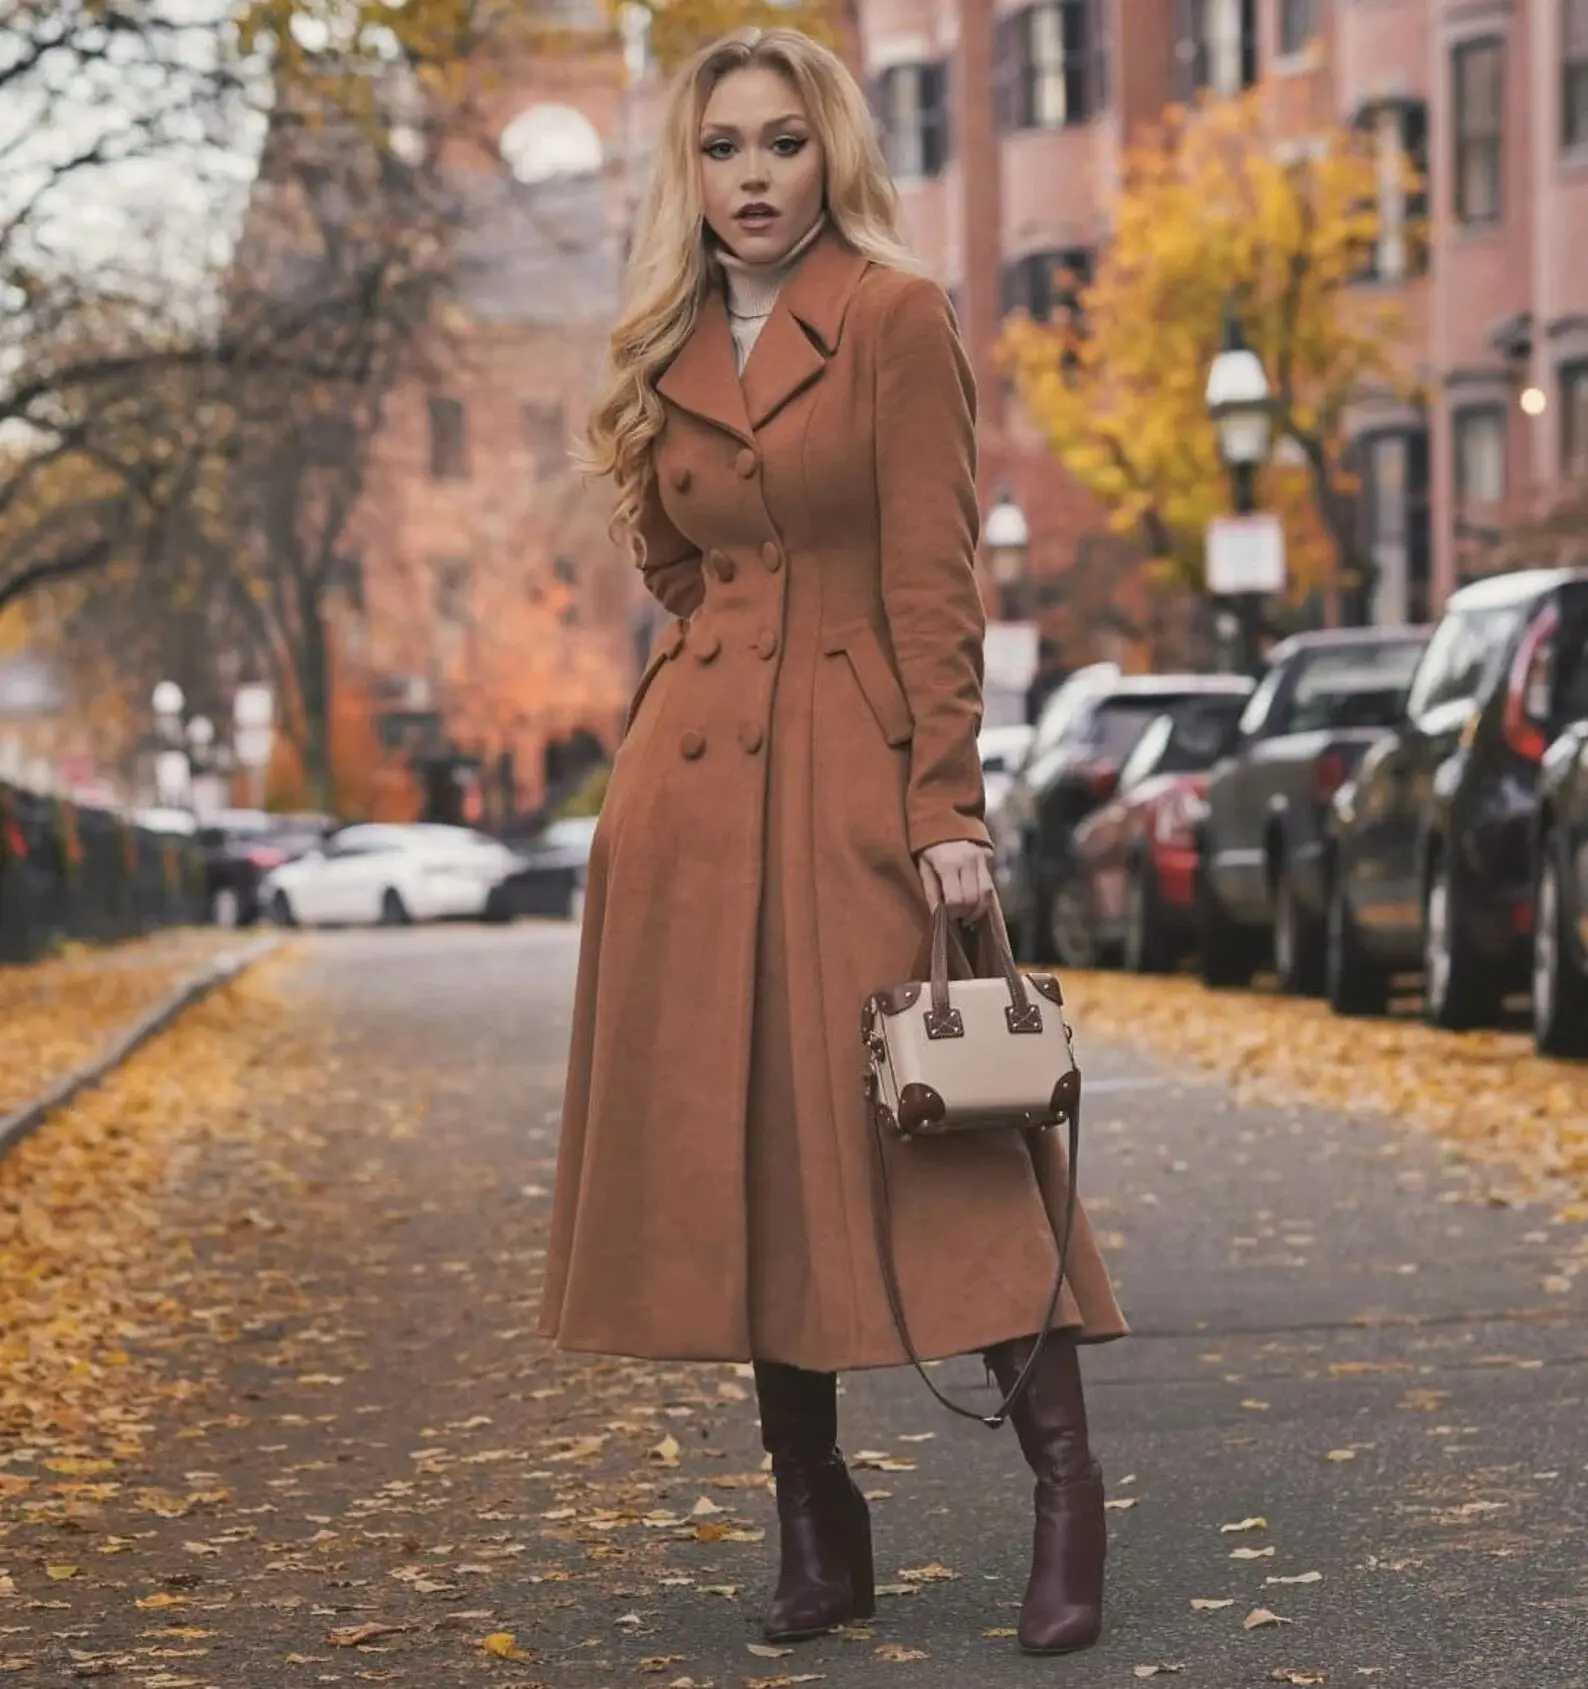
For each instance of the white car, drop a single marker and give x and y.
(1002, 750)
(390, 875)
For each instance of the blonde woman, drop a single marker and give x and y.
(788, 422)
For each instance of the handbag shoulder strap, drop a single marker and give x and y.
(882, 1215)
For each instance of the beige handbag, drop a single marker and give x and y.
(987, 1052)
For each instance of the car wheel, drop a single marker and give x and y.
(1354, 982)
(1070, 925)
(1227, 956)
(393, 911)
(226, 908)
(1458, 989)
(1299, 943)
(281, 910)
(1560, 984)
(1146, 949)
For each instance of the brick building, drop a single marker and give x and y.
(1005, 122)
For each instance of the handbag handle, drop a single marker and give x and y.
(994, 957)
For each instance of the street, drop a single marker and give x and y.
(1344, 1444)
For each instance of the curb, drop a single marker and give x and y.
(15, 1127)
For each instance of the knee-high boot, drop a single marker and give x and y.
(825, 1576)
(1063, 1607)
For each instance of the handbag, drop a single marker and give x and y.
(989, 1051)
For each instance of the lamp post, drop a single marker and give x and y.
(1240, 401)
(1007, 537)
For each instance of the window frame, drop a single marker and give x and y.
(1465, 143)
(1574, 75)
(1462, 419)
(1571, 378)
(919, 149)
(1298, 26)
(449, 437)
(1075, 69)
(1194, 43)
(1031, 282)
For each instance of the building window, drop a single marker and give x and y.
(1215, 46)
(1479, 437)
(1574, 422)
(1574, 72)
(543, 425)
(1049, 66)
(347, 581)
(1395, 527)
(911, 103)
(1298, 24)
(450, 577)
(1477, 76)
(1047, 286)
(448, 440)
(1398, 134)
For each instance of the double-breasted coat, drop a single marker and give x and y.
(806, 726)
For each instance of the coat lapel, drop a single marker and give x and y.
(703, 378)
(802, 333)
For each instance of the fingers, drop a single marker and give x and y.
(929, 883)
(968, 888)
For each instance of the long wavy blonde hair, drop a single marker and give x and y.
(672, 266)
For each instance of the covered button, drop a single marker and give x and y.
(707, 646)
(750, 737)
(772, 555)
(692, 743)
(681, 479)
(766, 643)
(746, 463)
(722, 563)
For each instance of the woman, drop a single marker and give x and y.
(788, 419)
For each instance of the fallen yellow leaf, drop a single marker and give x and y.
(503, 1645)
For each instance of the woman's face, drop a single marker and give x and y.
(760, 165)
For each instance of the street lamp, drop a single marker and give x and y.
(173, 773)
(1008, 540)
(1240, 401)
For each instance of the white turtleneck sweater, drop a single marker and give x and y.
(753, 290)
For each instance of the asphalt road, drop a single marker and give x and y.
(1334, 1337)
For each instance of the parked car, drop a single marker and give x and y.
(1432, 864)
(1135, 858)
(550, 876)
(1002, 750)
(1085, 732)
(240, 847)
(383, 874)
(1560, 857)
(1324, 699)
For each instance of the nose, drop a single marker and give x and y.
(754, 173)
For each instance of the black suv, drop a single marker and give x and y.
(1560, 855)
(1085, 732)
(1431, 863)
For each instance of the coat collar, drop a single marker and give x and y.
(791, 351)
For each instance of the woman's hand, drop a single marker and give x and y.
(957, 872)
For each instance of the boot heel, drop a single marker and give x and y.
(862, 1568)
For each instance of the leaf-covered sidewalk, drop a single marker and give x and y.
(58, 1013)
(273, 1411)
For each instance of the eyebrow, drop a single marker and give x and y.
(774, 123)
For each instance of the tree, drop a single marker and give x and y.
(1225, 205)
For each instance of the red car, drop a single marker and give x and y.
(1133, 894)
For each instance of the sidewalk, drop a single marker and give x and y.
(57, 1014)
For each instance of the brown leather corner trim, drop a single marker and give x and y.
(1048, 985)
(1067, 1095)
(895, 999)
(1028, 1019)
(949, 1024)
(920, 1108)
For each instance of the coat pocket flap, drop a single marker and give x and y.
(879, 684)
(667, 647)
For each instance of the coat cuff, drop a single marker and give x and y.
(939, 828)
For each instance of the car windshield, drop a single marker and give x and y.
(1117, 723)
(1142, 763)
(1361, 687)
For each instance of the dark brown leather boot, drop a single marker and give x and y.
(826, 1576)
(1063, 1608)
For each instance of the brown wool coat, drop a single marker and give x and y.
(806, 726)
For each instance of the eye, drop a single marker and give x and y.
(719, 148)
(789, 146)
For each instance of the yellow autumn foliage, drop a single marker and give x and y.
(1231, 204)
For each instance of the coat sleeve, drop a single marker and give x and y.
(926, 486)
(671, 566)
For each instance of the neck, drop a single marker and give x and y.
(753, 287)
